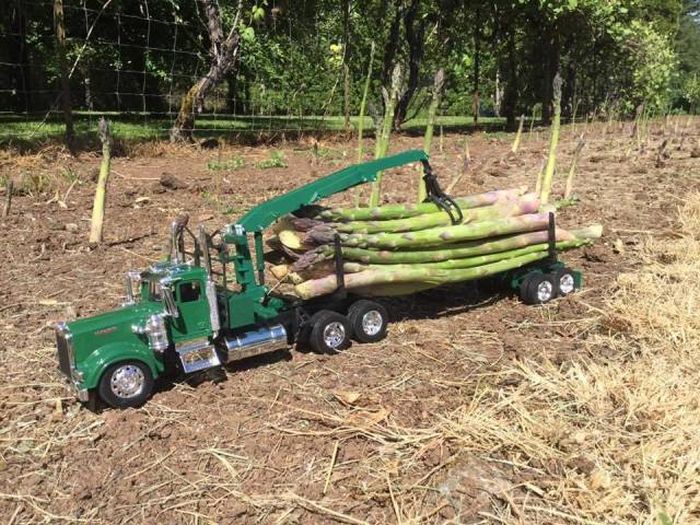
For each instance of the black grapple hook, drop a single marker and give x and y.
(440, 198)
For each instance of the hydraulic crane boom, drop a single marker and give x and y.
(268, 212)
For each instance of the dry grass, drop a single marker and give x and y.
(615, 437)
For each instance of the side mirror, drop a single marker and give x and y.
(169, 302)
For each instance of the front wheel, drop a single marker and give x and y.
(127, 384)
(368, 321)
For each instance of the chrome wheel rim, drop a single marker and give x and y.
(127, 381)
(334, 334)
(544, 291)
(566, 283)
(372, 322)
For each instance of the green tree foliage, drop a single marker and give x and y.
(136, 56)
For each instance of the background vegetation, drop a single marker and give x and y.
(309, 58)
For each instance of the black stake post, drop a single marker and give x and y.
(338, 256)
(552, 238)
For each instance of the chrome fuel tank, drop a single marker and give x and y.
(254, 342)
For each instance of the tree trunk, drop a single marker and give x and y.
(552, 54)
(510, 95)
(415, 37)
(346, 64)
(477, 65)
(18, 55)
(224, 55)
(60, 30)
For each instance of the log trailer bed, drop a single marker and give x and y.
(181, 316)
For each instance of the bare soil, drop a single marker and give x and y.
(297, 437)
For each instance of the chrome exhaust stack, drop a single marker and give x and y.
(255, 342)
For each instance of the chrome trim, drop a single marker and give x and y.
(247, 344)
(197, 354)
(132, 277)
(210, 290)
(127, 381)
(156, 331)
(174, 239)
(83, 394)
(63, 330)
(169, 298)
(76, 376)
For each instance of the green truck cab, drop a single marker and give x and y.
(184, 315)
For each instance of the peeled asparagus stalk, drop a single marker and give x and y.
(432, 276)
(452, 251)
(402, 211)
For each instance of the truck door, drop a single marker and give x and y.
(194, 321)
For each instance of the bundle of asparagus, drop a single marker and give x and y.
(398, 249)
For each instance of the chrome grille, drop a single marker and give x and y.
(63, 357)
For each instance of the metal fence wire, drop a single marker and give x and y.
(128, 59)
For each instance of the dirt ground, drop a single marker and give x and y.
(297, 437)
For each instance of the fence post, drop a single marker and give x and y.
(60, 30)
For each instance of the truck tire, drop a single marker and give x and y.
(127, 384)
(330, 332)
(368, 321)
(565, 281)
(538, 288)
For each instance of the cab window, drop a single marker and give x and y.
(189, 291)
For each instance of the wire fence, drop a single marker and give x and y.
(128, 59)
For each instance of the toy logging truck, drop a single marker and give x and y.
(182, 316)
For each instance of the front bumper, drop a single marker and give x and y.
(66, 361)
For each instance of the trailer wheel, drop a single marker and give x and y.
(368, 321)
(330, 332)
(538, 288)
(127, 384)
(565, 281)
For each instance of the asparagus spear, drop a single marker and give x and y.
(402, 211)
(528, 203)
(438, 236)
(453, 251)
(418, 274)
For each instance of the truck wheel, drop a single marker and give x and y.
(368, 321)
(330, 332)
(538, 288)
(565, 281)
(127, 384)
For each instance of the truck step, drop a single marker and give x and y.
(197, 355)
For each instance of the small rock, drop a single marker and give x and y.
(71, 227)
(618, 246)
(171, 182)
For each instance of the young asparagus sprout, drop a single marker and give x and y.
(98, 207)
(546, 188)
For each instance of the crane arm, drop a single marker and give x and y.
(263, 215)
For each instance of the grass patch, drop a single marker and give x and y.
(35, 131)
(276, 160)
(233, 164)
